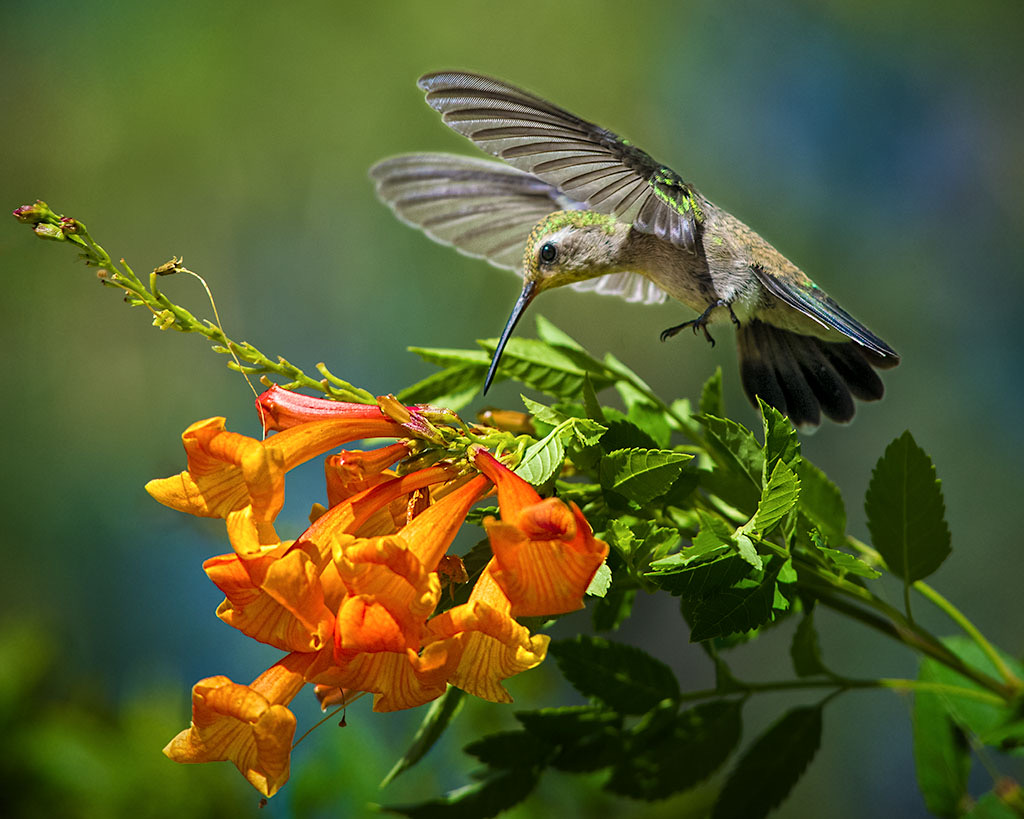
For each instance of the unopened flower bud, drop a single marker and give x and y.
(32, 214)
(47, 231)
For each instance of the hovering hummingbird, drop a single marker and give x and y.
(595, 212)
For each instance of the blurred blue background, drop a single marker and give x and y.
(876, 145)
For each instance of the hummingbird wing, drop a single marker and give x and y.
(487, 210)
(815, 303)
(584, 161)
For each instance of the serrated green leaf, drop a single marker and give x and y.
(906, 512)
(453, 387)
(821, 502)
(622, 372)
(770, 768)
(557, 371)
(623, 434)
(600, 582)
(714, 532)
(586, 739)
(942, 756)
(641, 474)
(780, 439)
(624, 677)
(481, 800)
(542, 459)
(703, 579)
(585, 431)
(778, 497)
(748, 552)
(511, 749)
(542, 412)
(805, 650)
(849, 564)
(451, 357)
(440, 715)
(735, 447)
(676, 751)
(590, 402)
(711, 402)
(741, 607)
(641, 542)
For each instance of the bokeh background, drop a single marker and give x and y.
(876, 144)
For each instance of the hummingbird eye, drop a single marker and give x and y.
(548, 252)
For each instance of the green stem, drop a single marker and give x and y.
(891, 683)
(972, 631)
(953, 613)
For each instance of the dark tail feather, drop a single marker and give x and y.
(803, 376)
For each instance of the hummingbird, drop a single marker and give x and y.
(575, 204)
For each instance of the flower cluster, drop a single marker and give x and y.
(353, 599)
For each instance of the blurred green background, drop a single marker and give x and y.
(878, 145)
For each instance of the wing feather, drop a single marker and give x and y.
(542, 139)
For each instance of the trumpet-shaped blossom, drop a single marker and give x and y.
(353, 599)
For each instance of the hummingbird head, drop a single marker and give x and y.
(565, 246)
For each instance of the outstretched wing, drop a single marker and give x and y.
(584, 161)
(814, 302)
(485, 209)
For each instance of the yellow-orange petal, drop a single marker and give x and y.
(285, 608)
(364, 625)
(493, 645)
(350, 472)
(246, 724)
(398, 680)
(546, 560)
(513, 492)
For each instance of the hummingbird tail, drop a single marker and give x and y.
(803, 376)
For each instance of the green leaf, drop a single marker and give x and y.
(906, 512)
(438, 717)
(624, 434)
(641, 542)
(714, 532)
(557, 371)
(670, 752)
(448, 357)
(979, 718)
(748, 552)
(624, 677)
(582, 431)
(611, 611)
(942, 756)
(778, 497)
(641, 474)
(704, 579)
(453, 387)
(601, 581)
(990, 806)
(590, 402)
(511, 749)
(735, 449)
(542, 412)
(711, 402)
(548, 332)
(741, 607)
(821, 502)
(542, 459)
(482, 800)
(642, 412)
(770, 768)
(805, 651)
(586, 739)
(780, 439)
(849, 564)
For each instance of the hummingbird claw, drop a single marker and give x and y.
(701, 323)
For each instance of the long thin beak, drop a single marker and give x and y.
(529, 291)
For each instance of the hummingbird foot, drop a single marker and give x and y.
(701, 322)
